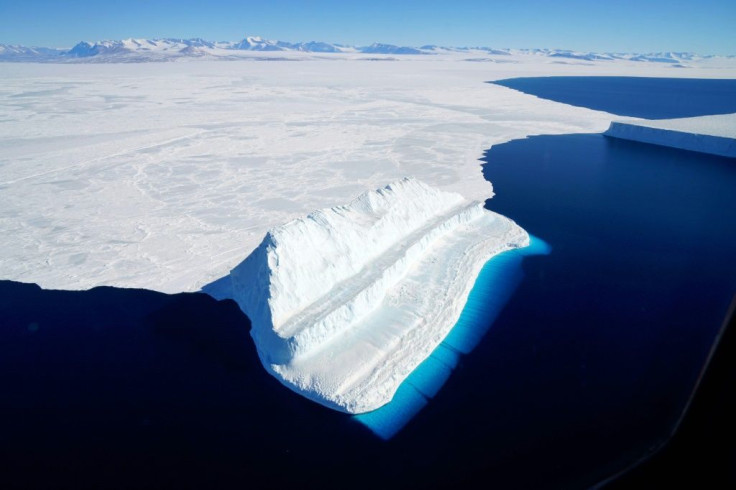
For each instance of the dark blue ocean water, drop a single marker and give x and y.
(585, 364)
(642, 270)
(651, 98)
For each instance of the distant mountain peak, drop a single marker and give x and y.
(82, 49)
(380, 48)
(165, 49)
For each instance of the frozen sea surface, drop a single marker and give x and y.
(165, 176)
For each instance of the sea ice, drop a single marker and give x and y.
(347, 301)
(165, 176)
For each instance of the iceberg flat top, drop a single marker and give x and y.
(346, 302)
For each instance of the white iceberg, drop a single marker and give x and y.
(346, 302)
(714, 135)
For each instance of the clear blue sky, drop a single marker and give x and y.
(703, 26)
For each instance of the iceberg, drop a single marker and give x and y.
(714, 135)
(346, 302)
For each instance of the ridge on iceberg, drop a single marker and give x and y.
(347, 301)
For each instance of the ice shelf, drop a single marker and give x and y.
(715, 135)
(346, 302)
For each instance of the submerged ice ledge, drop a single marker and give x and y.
(346, 302)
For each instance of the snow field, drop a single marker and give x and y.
(347, 302)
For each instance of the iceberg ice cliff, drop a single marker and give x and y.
(714, 135)
(347, 301)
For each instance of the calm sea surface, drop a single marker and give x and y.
(650, 98)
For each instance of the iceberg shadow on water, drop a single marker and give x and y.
(493, 287)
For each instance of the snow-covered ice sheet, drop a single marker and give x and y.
(715, 135)
(346, 302)
(166, 175)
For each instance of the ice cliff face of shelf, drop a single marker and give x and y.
(347, 301)
(715, 135)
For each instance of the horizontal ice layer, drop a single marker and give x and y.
(346, 302)
(715, 135)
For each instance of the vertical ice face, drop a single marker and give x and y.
(714, 135)
(347, 301)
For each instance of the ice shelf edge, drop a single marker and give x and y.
(673, 138)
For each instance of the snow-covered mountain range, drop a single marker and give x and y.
(138, 50)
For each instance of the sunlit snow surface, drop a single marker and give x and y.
(493, 287)
(346, 302)
(166, 175)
